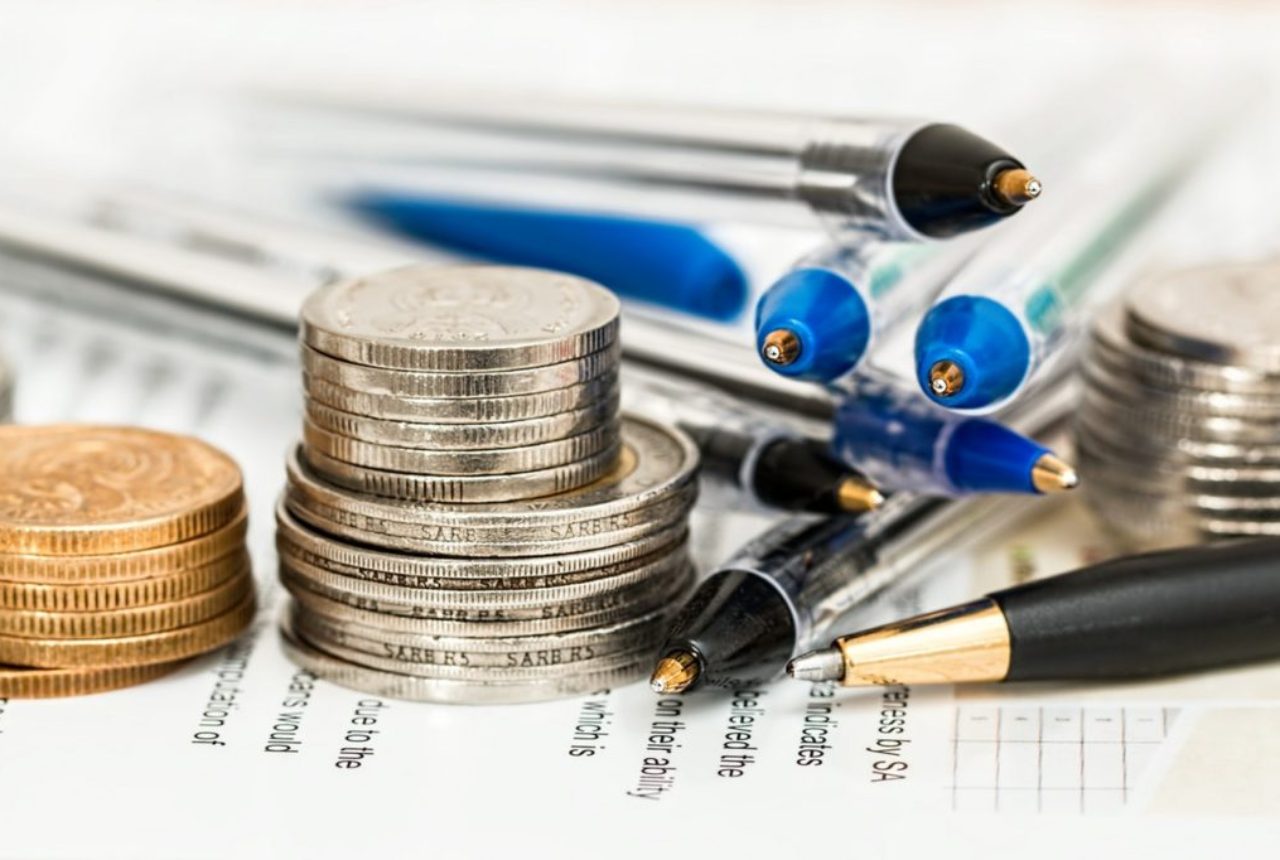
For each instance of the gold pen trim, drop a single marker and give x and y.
(965, 643)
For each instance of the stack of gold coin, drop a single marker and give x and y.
(468, 519)
(121, 555)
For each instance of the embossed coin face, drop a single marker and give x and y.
(1223, 314)
(440, 318)
(74, 489)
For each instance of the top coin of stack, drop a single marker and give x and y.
(121, 553)
(1179, 433)
(478, 384)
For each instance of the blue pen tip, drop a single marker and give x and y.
(812, 324)
(971, 353)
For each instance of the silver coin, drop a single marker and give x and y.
(490, 543)
(471, 692)
(563, 653)
(452, 538)
(1233, 528)
(462, 410)
(495, 461)
(1166, 424)
(439, 605)
(665, 593)
(1184, 453)
(1170, 371)
(467, 488)
(1191, 402)
(656, 462)
(667, 563)
(469, 384)
(507, 434)
(1218, 314)
(422, 571)
(424, 317)
(362, 657)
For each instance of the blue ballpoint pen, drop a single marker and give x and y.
(903, 442)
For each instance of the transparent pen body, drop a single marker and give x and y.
(826, 568)
(696, 165)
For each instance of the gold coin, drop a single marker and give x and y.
(123, 566)
(105, 596)
(130, 650)
(19, 683)
(74, 489)
(135, 621)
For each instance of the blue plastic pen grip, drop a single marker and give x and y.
(668, 264)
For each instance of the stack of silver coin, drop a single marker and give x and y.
(468, 518)
(1179, 432)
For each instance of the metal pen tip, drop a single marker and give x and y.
(945, 378)
(781, 347)
(1016, 187)
(675, 672)
(1051, 475)
(856, 495)
(825, 664)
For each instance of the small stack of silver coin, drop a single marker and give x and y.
(468, 519)
(1179, 432)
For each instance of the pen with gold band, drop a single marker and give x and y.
(1140, 616)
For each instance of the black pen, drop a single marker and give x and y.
(1135, 617)
(782, 470)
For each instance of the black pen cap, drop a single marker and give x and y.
(739, 627)
(943, 181)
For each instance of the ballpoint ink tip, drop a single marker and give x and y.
(1051, 475)
(781, 347)
(1017, 186)
(946, 378)
(855, 495)
(675, 673)
(826, 664)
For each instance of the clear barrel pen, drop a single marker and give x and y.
(781, 593)
(903, 179)
(761, 463)
(1016, 302)
(900, 440)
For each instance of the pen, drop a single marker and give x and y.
(665, 263)
(783, 470)
(903, 179)
(781, 591)
(1146, 615)
(819, 320)
(769, 463)
(1017, 301)
(903, 442)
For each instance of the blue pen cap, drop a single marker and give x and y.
(987, 457)
(669, 264)
(826, 313)
(984, 339)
